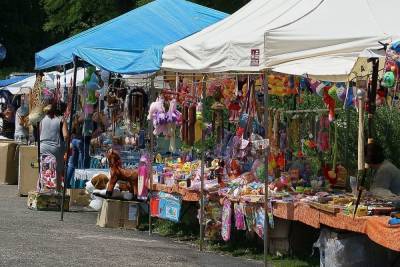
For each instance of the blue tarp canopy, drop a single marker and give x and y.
(132, 43)
(12, 80)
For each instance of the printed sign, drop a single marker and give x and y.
(255, 57)
(132, 213)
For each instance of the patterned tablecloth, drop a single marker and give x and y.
(81, 176)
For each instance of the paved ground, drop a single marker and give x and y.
(33, 238)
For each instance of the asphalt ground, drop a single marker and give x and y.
(39, 238)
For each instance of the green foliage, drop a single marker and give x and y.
(28, 26)
(68, 18)
(21, 33)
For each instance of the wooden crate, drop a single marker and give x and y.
(119, 214)
(8, 163)
(46, 201)
(28, 171)
(79, 198)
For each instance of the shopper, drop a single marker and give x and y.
(8, 117)
(21, 125)
(53, 132)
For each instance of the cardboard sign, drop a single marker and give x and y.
(169, 207)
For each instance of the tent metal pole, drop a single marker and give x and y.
(362, 166)
(65, 95)
(203, 137)
(68, 141)
(152, 90)
(266, 125)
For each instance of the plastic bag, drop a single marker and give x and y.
(346, 251)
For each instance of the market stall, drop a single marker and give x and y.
(118, 102)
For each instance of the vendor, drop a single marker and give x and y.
(387, 176)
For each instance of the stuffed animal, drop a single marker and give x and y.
(118, 173)
(158, 116)
(99, 181)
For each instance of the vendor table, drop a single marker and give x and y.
(81, 176)
(375, 227)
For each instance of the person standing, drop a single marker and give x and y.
(53, 133)
(21, 133)
(8, 118)
(387, 176)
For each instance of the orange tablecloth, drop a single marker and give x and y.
(375, 227)
(187, 195)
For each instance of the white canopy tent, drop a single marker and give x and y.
(321, 38)
(329, 43)
(334, 68)
(24, 86)
(228, 44)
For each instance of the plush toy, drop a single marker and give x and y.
(118, 173)
(234, 169)
(173, 117)
(143, 176)
(99, 181)
(158, 116)
(92, 86)
(330, 103)
(323, 135)
(198, 126)
(389, 79)
(234, 108)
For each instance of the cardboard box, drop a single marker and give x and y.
(79, 198)
(28, 171)
(119, 214)
(46, 201)
(8, 163)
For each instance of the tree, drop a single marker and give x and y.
(68, 18)
(21, 33)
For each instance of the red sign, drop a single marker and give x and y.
(255, 57)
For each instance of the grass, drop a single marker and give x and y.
(240, 246)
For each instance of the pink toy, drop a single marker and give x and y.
(158, 116)
(226, 220)
(239, 216)
(143, 177)
(323, 135)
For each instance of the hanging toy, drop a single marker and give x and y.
(218, 121)
(341, 91)
(323, 135)
(173, 117)
(330, 103)
(198, 126)
(332, 177)
(389, 79)
(234, 108)
(158, 117)
(92, 86)
(191, 124)
(185, 123)
(332, 92)
(380, 97)
(282, 139)
(226, 220)
(143, 177)
(137, 106)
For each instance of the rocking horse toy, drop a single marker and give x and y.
(118, 173)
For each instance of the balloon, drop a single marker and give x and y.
(388, 79)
